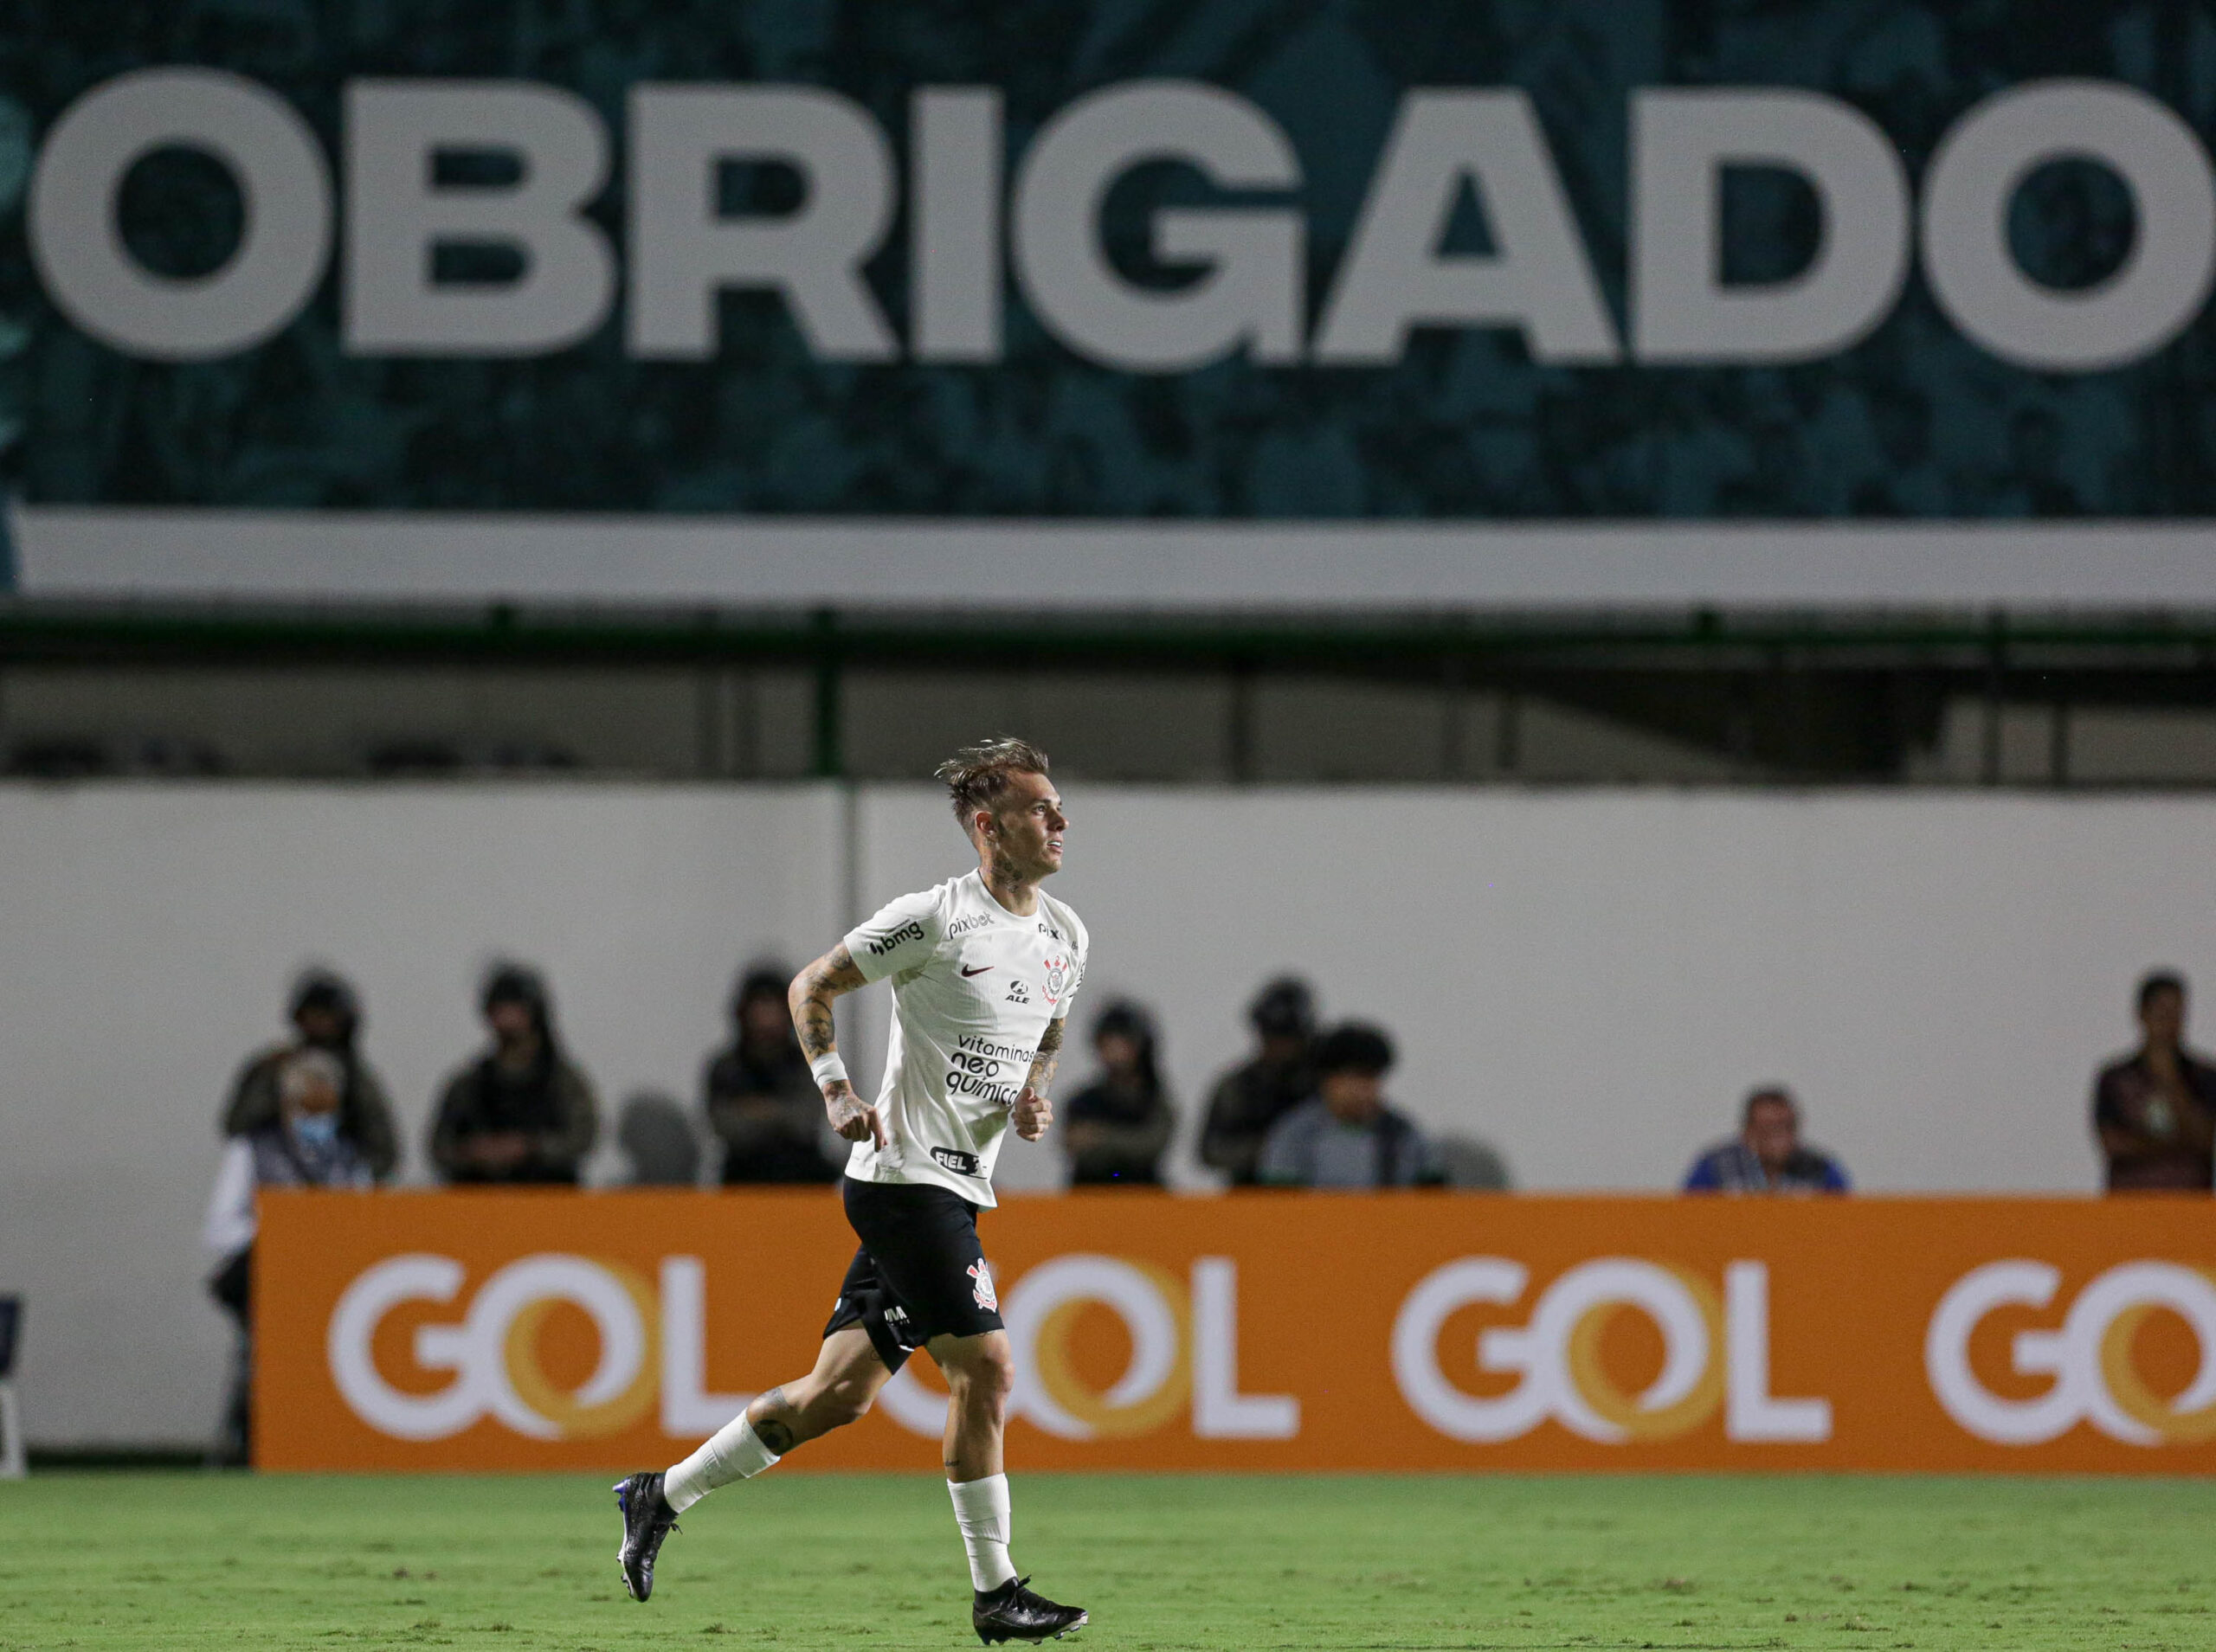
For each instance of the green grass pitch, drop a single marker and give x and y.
(186, 1560)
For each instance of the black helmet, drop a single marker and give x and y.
(1283, 1009)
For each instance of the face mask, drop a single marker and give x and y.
(316, 1129)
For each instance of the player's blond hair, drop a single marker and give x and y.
(976, 777)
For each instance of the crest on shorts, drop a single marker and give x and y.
(1057, 976)
(981, 1287)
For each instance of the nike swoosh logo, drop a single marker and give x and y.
(979, 970)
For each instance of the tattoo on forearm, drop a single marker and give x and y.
(819, 1030)
(810, 999)
(1049, 1056)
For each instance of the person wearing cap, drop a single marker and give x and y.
(301, 1146)
(1279, 1076)
(762, 1100)
(1767, 1155)
(521, 1112)
(1119, 1124)
(1346, 1136)
(326, 1015)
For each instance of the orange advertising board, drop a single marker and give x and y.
(1416, 1331)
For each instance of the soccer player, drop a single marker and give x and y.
(983, 967)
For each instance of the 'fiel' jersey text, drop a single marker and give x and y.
(974, 987)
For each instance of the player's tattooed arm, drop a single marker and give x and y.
(1033, 1112)
(1041, 1077)
(809, 998)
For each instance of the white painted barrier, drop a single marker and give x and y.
(1589, 980)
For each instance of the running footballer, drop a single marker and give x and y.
(983, 967)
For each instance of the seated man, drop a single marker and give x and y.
(1766, 1157)
(2155, 1110)
(326, 1014)
(521, 1112)
(1345, 1136)
(1120, 1124)
(301, 1148)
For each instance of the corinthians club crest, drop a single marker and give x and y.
(1057, 977)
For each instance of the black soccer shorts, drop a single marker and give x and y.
(920, 1272)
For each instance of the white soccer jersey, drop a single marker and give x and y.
(974, 987)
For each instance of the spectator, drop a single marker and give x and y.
(1116, 1127)
(1767, 1156)
(326, 1015)
(1252, 1098)
(1346, 1136)
(763, 1100)
(521, 1112)
(302, 1146)
(658, 1141)
(2155, 1110)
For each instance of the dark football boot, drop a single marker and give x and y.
(646, 1520)
(1012, 1612)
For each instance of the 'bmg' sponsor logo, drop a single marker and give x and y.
(911, 931)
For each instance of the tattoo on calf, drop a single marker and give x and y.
(773, 1431)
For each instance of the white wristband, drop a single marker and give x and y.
(827, 1068)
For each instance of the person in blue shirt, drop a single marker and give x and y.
(1767, 1156)
(1347, 1135)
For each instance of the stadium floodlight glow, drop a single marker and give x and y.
(1247, 262)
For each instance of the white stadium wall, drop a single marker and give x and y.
(1588, 979)
(1592, 980)
(147, 935)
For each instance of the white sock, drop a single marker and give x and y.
(734, 1451)
(981, 1510)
